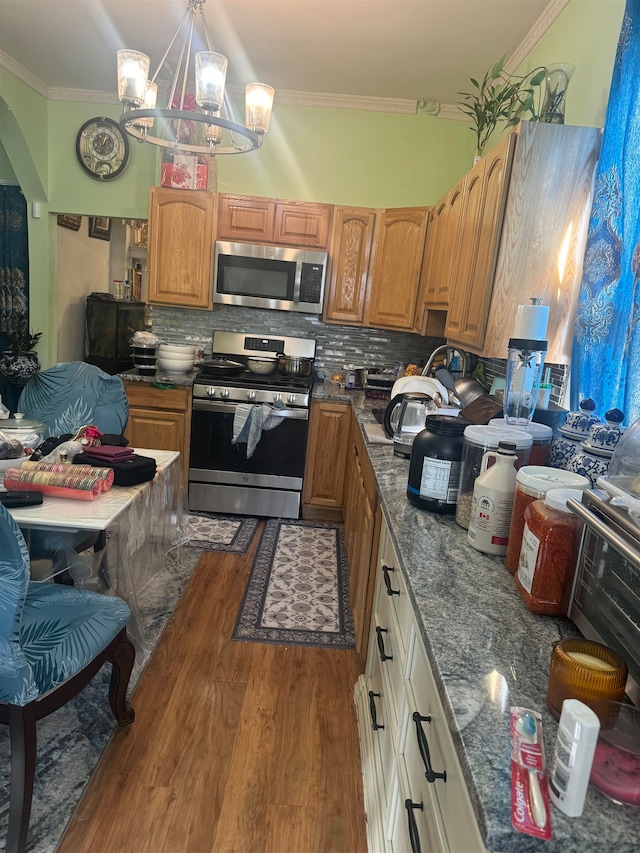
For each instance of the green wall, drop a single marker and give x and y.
(328, 155)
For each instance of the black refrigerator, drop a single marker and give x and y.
(110, 325)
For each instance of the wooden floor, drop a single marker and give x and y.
(236, 747)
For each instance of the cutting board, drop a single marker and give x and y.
(376, 434)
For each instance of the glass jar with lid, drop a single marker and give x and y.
(541, 434)
(549, 552)
(477, 440)
(533, 482)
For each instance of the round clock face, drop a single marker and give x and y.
(102, 148)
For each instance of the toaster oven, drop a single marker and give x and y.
(605, 601)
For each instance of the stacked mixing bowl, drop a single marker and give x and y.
(175, 358)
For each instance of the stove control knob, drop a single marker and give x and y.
(277, 398)
(251, 395)
(224, 393)
(211, 391)
(291, 399)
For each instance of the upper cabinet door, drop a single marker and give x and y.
(181, 240)
(302, 224)
(398, 258)
(475, 257)
(351, 259)
(246, 220)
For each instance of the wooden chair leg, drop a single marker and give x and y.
(122, 661)
(22, 727)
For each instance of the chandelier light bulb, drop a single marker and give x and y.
(211, 73)
(133, 74)
(149, 103)
(258, 105)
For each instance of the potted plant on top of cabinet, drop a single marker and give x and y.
(501, 97)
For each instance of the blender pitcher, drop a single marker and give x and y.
(524, 371)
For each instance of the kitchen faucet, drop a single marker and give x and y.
(450, 351)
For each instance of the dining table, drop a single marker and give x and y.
(138, 525)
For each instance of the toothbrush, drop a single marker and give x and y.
(526, 728)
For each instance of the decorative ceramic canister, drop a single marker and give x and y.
(571, 435)
(592, 460)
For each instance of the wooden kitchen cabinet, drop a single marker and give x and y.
(351, 250)
(399, 248)
(181, 241)
(517, 229)
(250, 219)
(327, 445)
(160, 419)
(478, 229)
(362, 517)
(396, 698)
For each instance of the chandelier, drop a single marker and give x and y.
(180, 125)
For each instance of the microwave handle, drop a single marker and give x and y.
(596, 523)
(297, 282)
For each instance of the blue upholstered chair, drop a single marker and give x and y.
(71, 394)
(53, 640)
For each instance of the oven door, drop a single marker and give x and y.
(223, 479)
(606, 595)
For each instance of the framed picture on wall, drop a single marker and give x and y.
(66, 220)
(100, 227)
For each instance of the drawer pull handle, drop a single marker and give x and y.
(387, 580)
(375, 725)
(423, 746)
(414, 835)
(383, 655)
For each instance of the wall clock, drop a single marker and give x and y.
(102, 148)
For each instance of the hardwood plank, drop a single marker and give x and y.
(236, 746)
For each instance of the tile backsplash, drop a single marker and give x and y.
(337, 346)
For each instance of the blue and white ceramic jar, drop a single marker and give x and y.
(606, 436)
(572, 433)
(590, 463)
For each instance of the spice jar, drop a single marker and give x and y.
(549, 553)
(477, 440)
(533, 482)
(542, 436)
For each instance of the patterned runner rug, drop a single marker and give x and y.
(210, 531)
(298, 589)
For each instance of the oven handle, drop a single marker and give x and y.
(228, 408)
(596, 523)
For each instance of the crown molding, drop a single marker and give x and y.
(544, 22)
(90, 96)
(9, 64)
(452, 112)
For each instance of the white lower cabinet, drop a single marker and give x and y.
(415, 797)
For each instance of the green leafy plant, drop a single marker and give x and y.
(19, 340)
(502, 97)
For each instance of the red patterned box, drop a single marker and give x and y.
(184, 173)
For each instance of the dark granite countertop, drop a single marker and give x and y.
(159, 377)
(488, 652)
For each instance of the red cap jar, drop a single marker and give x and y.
(533, 482)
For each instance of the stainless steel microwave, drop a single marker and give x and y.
(605, 603)
(279, 277)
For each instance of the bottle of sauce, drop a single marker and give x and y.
(549, 553)
(492, 504)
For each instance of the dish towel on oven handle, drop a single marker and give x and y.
(248, 423)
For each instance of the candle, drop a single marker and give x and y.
(589, 660)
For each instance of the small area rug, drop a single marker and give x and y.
(210, 531)
(71, 741)
(298, 589)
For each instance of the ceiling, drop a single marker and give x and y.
(404, 49)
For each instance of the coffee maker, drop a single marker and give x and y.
(110, 324)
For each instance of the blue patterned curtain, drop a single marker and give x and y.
(606, 350)
(14, 261)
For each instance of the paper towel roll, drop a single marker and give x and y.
(531, 322)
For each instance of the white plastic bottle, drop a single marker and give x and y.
(571, 766)
(493, 494)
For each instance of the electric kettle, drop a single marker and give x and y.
(405, 417)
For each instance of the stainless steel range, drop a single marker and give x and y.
(225, 476)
